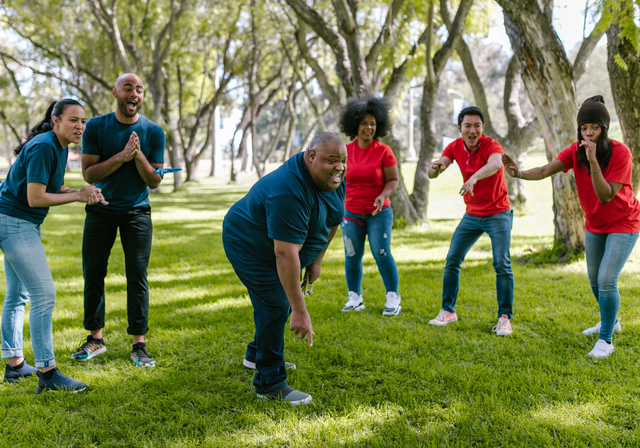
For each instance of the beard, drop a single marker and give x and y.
(124, 109)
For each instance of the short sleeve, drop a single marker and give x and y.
(388, 157)
(566, 157)
(494, 148)
(90, 139)
(448, 151)
(40, 163)
(620, 165)
(157, 151)
(287, 219)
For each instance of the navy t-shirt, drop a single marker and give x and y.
(41, 160)
(284, 205)
(105, 136)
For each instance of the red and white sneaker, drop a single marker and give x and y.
(444, 318)
(504, 326)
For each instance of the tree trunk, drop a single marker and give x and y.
(548, 78)
(625, 87)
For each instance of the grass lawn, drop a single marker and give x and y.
(376, 381)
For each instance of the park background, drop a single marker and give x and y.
(375, 381)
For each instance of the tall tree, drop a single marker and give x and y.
(623, 63)
(549, 79)
(370, 57)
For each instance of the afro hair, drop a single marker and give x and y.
(355, 112)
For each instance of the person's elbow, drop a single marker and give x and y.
(605, 199)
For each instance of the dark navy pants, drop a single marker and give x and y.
(100, 229)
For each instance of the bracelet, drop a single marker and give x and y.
(520, 173)
(594, 172)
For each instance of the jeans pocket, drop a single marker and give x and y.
(4, 232)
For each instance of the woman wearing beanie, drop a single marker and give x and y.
(602, 170)
(371, 177)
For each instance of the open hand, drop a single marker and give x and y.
(467, 187)
(378, 204)
(510, 166)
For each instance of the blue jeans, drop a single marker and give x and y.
(606, 255)
(498, 227)
(355, 228)
(270, 313)
(28, 277)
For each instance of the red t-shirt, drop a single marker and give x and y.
(621, 214)
(365, 178)
(489, 194)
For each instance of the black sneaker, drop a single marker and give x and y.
(140, 356)
(90, 349)
(11, 374)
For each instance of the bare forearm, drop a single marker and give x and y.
(52, 199)
(147, 172)
(487, 171)
(604, 190)
(389, 187)
(100, 170)
(288, 266)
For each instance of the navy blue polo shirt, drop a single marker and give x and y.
(105, 136)
(41, 160)
(284, 205)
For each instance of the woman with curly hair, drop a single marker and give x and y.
(602, 170)
(371, 177)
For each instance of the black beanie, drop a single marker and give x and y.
(593, 110)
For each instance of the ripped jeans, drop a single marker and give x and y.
(355, 228)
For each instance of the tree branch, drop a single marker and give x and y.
(455, 34)
(385, 32)
(588, 45)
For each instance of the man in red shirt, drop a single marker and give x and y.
(485, 193)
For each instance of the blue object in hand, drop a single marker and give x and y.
(163, 171)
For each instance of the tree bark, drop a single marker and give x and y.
(625, 86)
(548, 78)
(429, 141)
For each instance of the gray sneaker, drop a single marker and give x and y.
(90, 349)
(288, 394)
(140, 356)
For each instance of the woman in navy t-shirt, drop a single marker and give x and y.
(33, 184)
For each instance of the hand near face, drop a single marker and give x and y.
(590, 150)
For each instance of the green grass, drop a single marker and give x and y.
(376, 381)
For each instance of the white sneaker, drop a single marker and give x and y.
(504, 326)
(354, 303)
(444, 318)
(601, 349)
(252, 365)
(617, 328)
(392, 307)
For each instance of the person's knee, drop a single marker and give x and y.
(349, 248)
